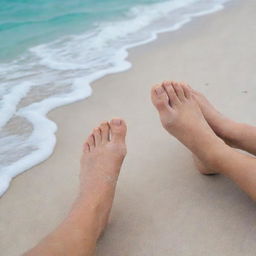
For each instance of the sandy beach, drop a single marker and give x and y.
(163, 206)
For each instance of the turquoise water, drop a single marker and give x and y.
(52, 50)
(27, 23)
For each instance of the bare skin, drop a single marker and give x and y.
(103, 154)
(202, 168)
(237, 135)
(182, 117)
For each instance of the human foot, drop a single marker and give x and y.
(179, 113)
(235, 134)
(103, 154)
(221, 125)
(181, 116)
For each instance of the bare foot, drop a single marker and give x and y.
(220, 124)
(181, 115)
(103, 155)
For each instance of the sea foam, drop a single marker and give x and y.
(60, 72)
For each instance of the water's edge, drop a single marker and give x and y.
(37, 113)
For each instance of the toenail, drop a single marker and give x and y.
(159, 90)
(168, 85)
(116, 121)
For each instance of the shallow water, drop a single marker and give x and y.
(51, 51)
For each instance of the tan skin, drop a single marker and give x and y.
(103, 154)
(237, 135)
(181, 116)
(185, 114)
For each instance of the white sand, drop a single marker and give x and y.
(163, 206)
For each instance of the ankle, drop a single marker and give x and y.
(202, 139)
(207, 147)
(217, 155)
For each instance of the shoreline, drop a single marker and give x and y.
(81, 90)
(161, 170)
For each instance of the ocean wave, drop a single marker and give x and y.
(58, 73)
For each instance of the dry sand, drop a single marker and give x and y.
(162, 206)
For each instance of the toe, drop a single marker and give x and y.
(97, 136)
(174, 100)
(160, 98)
(91, 142)
(104, 127)
(187, 91)
(191, 89)
(118, 130)
(86, 147)
(179, 91)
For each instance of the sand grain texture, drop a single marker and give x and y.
(162, 206)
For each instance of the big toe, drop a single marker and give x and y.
(118, 130)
